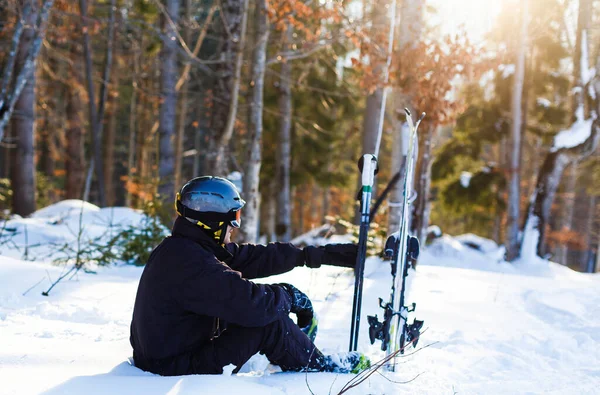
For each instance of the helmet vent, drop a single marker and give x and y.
(217, 194)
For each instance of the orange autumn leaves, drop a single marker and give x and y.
(427, 71)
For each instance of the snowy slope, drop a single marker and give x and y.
(491, 328)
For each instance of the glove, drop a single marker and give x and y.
(301, 305)
(343, 255)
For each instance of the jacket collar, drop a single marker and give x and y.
(184, 228)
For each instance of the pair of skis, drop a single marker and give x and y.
(393, 331)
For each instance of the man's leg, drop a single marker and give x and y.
(282, 342)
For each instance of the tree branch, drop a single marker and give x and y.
(294, 55)
(12, 55)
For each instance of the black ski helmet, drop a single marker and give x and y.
(211, 203)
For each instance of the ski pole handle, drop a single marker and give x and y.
(369, 168)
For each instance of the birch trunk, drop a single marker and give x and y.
(283, 226)
(168, 103)
(250, 224)
(23, 128)
(95, 122)
(514, 195)
(236, 36)
(27, 67)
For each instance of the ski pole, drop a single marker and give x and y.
(368, 170)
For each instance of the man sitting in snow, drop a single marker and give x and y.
(196, 311)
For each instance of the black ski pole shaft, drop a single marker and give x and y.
(368, 170)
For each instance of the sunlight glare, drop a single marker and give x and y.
(476, 16)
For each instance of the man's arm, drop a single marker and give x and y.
(217, 291)
(256, 261)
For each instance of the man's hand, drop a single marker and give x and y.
(343, 255)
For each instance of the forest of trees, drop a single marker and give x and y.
(118, 102)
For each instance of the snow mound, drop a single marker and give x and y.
(465, 251)
(479, 243)
(65, 208)
(52, 230)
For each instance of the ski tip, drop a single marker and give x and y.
(422, 116)
(407, 111)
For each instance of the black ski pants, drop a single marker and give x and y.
(282, 342)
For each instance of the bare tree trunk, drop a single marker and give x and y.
(23, 126)
(143, 141)
(97, 113)
(168, 104)
(183, 104)
(236, 36)
(410, 27)
(514, 195)
(250, 225)
(132, 125)
(200, 145)
(9, 62)
(9, 99)
(326, 204)
(596, 269)
(283, 227)
(271, 212)
(109, 143)
(568, 206)
(75, 166)
(581, 63)
(420, 215)
(588, 226)
(183, 78)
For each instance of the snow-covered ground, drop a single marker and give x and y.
(490, 327)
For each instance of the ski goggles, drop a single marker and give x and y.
(237, 222)
(233, 216)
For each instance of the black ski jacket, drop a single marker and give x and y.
(191, 288)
